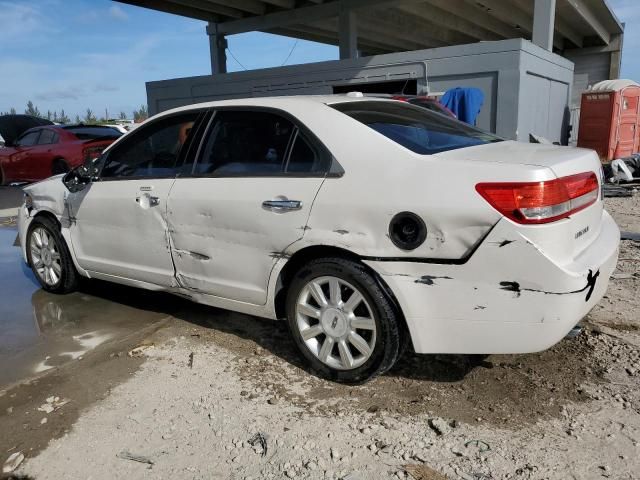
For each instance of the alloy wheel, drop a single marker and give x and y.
(45, 256)
(336, 322)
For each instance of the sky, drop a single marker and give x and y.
(98, 54)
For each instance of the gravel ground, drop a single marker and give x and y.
(226, 396)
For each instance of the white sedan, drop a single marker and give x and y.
(366, 223)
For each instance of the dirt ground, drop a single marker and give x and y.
(221, 395)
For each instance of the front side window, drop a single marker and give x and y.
(47, 137)
(246, 143)
(29, 139)
(151, 151)
(415, 128)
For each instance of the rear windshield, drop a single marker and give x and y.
(429, 105)
(415, 128)
(93, 133)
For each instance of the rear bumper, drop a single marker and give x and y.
(505, 299)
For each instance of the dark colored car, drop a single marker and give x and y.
(48, 150)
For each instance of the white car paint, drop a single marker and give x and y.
(480, 283)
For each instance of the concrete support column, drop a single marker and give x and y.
(544, 16)
(217, 48)
(348, 32)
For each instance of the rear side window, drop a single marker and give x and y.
(29, 139)
(304, 157)
(246, 143)
(415, 128)
(47, 137)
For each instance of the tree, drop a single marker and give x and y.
(49, 115)
(12, 111)
(55, 116)
(63, 117)
(32, 110)
(78, 119)
(89, 117)
(123, 116)
(140, 114)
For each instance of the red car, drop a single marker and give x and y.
(48, 150)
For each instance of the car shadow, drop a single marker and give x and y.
(271, 335)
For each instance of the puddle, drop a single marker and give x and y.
(41, 331)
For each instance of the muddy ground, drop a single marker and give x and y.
(221, 395)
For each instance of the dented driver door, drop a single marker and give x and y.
(118, 224)
(247, 199)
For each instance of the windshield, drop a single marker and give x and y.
(93, 133)
(415, 128)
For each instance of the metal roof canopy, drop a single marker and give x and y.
(381, 26)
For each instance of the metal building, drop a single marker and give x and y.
(531, 85)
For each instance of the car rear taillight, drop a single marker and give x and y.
(542, 202)
(90, 153)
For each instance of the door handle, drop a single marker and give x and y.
(146, 201)
(282, 204)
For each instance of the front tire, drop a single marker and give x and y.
(49, 257)
(342, 322)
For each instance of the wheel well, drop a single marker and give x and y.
(305, 255)
(47, 214)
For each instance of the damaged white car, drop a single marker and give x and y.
(364, 222)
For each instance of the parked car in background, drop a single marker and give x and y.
(363, 222)
(430, 103)
(49, 150)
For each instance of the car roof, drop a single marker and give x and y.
(280, 102)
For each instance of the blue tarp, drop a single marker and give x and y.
(465, 102)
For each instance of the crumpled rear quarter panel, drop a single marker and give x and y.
(509, 297)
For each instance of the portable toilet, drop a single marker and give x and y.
(610, 119)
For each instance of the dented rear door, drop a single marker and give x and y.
(247, 198)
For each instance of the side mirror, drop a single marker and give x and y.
(81, 176)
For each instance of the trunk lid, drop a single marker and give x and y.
(562, 240)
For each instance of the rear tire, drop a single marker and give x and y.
(343, 323)
(49, 257)
(59, 166)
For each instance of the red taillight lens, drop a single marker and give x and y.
(542, 202)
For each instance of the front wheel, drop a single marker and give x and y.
(49, 257)
(344, 324)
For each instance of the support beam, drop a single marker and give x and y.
(513, 16)
(217, 49)
(585, 12)
(348, 34)
(420, 30)
(479, 16)
(296, 16)
(213, 8)
(563, 27)
(185, 11)
(282, 3)
(544, 21)
(444, 18)
(255, 7)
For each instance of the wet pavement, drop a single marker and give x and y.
(40, 331)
